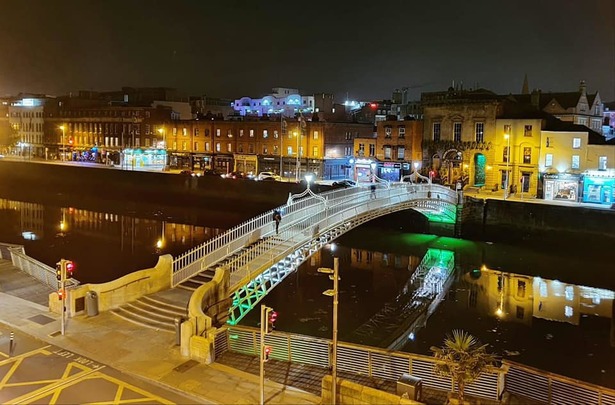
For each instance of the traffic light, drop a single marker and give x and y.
(59, 271)
(271, 317)
(266, 353)
(69, 266)
(61, 294)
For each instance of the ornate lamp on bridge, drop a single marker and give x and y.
(506, 184)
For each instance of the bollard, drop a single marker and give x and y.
(11, 343)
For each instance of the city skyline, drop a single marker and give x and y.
(233, 48)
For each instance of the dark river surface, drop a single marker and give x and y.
(549, 307)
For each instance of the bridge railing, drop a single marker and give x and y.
(302, 213)
(307, 222)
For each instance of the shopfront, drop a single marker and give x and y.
(599, 186)
(363, 170)
(249, 164)
(561, 186)
(148, 159)
(390, 171)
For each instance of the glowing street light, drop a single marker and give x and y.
(507, 137)
(63, 128)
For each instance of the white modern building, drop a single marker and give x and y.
(282, 100)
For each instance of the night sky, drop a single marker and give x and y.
(362, 48)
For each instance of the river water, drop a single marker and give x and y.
(547, 308)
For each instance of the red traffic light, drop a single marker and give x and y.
(61, 294)
(70, 268)
(373, 106)
(266, 352)
(273, 316)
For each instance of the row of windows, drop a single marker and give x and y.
(527, 154)
(27, 114)
(575, 163)
(401, 132)
(105, 113)
(479, 131)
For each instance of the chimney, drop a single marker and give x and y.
(582, 87)
(535, 98)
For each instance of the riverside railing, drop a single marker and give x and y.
(357, 359)
(31, 266)
(294, 214)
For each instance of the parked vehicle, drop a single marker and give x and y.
(234, 175)
(344, 183)
(211, 172)
(189, 173)
(267, 176)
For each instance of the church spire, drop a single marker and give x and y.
(526, 87)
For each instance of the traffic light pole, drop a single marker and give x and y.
(264, 324)
(62, 285)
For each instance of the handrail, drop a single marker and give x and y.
(302, 212)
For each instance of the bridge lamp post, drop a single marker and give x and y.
(308, 180)
(507, 137)
(333, 275)
(416, 171)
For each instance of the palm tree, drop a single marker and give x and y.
(463, 358)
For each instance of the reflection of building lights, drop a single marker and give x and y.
(159, 244)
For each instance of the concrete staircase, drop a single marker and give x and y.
(159, 310)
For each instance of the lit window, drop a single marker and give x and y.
(289, 151)
(315, 134)
(527, 155)
(549, 159)
(401, 152)
(229, 133)
(602, 163)
(402, 132)
(315, 151)
(507, 128)
(251, 133)
(568, 311)
(241, 132)
(387, 132)
(479, 131)
(207, 146)
(184, 131)
(218, 148)
(575, 161)
(218, 132)
(275, 134)
(387, 152)
(184, 146)
(576, 143)
(543, 289)
(265, 134)
(569, 293)
(527, 131)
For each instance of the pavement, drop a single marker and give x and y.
(143, 353)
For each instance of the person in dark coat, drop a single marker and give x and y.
(277, 217)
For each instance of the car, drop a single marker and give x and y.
(189, 173)
(211, 172)
(344, 183)
(234, 175)
(267, 176)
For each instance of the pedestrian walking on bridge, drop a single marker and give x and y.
(277, 217)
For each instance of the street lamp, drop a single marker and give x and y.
(507, 137)
(298, 162)
(282, 125)
(62, 127)
(308, 179)
(164, 145)
(333, 274)
(416, 171)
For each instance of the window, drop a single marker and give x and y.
(315, 134)
(361, 147)
(207, 132)
(241, 132)
(569, 293)
(185, 131)
(196, 146)
(229, 133)
(372, 150)
(196, 131)
(251, 133)
(401, 152)
(240, 148)
(276, 134)
(527, 155)
(289, 151)
(217, 131)
(548, 145)
(184, 146)
(436, 131)
(387, 152)
(520, 312)
(602, 163)
(402, 132)
(207, 147)
(457, 131)
(265, 134)
(507, 128)
(505, 154)
(520, 289)
(218, 149)
(479, 131)
(576, 143)
(315, 151)
(347, 151)
(575, 161)
(568, 311)
(549, 159)
(265, 150)
(387, 132)
(527, 131)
